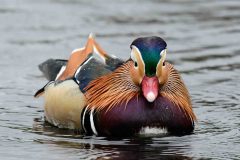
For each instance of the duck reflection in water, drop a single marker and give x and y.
(145, 146)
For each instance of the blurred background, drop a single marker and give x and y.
(203, 39)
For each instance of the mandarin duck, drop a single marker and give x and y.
(115, 97)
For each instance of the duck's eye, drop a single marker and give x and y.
(135, 64)
(164, 63)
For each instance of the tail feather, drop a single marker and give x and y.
(40, 92)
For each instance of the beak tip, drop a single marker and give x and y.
(151, 97)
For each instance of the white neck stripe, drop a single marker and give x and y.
(92, 123)
(83, 119)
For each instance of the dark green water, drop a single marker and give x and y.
(203, 39)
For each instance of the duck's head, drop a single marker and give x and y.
(149, 71)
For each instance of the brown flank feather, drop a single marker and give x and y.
(117, 87)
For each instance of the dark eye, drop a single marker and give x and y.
(135, 64)
(164, 63)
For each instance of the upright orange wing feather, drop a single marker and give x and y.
(76, 59)
(80, 55)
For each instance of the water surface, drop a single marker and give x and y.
(203, 39)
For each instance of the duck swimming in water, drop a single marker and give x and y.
(115, 97)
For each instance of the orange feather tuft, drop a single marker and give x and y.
(175, 90)
(112, 89)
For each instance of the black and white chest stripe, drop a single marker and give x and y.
(88, 119)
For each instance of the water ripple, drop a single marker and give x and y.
(203, 43)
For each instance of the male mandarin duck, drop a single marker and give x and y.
(116, 98)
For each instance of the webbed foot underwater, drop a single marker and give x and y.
(113, 97)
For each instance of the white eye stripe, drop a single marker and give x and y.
(135, 52)
(163, 55)
(133, 56)
(138, 60)
(160, 64)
